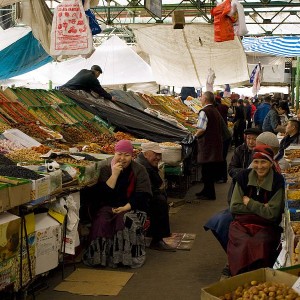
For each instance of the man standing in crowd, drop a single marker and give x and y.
(242, 156)
(261, 112)
(158, 208)
(209, 145)
(87, 81)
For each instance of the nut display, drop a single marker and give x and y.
(24, 155)
(296, 228)
(293, 194)
(293, 153)
(263, 290)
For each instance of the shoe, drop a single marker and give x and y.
(162, 246)
(204, 197)
(221, 181)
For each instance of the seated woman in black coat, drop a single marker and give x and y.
(124, 191)
(257, 205)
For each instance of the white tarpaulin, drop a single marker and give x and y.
(184, 57)
(11, 35)
(119, 63)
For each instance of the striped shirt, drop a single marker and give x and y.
(202, 119)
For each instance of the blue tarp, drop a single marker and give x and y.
(288, 46)
(23, 56)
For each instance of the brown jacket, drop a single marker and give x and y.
(209, 145)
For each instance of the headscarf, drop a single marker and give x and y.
(266, 152)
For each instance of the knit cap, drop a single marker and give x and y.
(268, 138)
(124, 146)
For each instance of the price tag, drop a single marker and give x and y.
(296, 286)
(281, 259)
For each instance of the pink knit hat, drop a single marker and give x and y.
(124, 146)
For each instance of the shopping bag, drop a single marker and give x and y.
(71, 33)
(94, 26)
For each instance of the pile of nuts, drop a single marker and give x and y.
(263, 290)
(24, 155)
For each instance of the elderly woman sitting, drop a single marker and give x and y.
(117, 229)
(257, 205)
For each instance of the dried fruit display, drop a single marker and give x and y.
(72, 161)
(104, 138)
(34, 131)
(5, 161)
(4, 127)
(19, 172)
(291, 170)
(169, 144)
(262, 290)
(296, 227)
(24, 155)
(292, 153)
(73, 134)
(123, 136)
(41, 149)
(293, 194)
(7, 145)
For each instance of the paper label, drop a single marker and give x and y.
(296, 286)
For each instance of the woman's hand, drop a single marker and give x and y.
(246, 200)
(117, 169)
(120, 209)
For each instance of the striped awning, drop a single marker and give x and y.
(288, 46)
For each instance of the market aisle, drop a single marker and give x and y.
(178, 275)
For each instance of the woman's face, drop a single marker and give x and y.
(123, 158)
(261, 167)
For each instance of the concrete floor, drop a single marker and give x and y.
(169, 275)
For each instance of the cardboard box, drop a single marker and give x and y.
(218, 289)
(294, 270)
(293, 244)
(7, 272)
(55, 181)
(19, 193)
(48, 242)
(40, 189)
(24, 278)
(9, 235)
(12, 195)
(87, 174)
(4, 197)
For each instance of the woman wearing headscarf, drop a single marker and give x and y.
(124, 191)
(257, 205)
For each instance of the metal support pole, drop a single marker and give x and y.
(297, 82)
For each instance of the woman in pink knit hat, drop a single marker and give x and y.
(257, 205)
(124, 191)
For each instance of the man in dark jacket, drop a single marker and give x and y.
(209, 145)
(87, 80)
(242, 156)
(159, 208)
(262, 111)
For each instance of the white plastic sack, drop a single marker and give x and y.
(239, 26)
(210, 80)
(70, 34)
